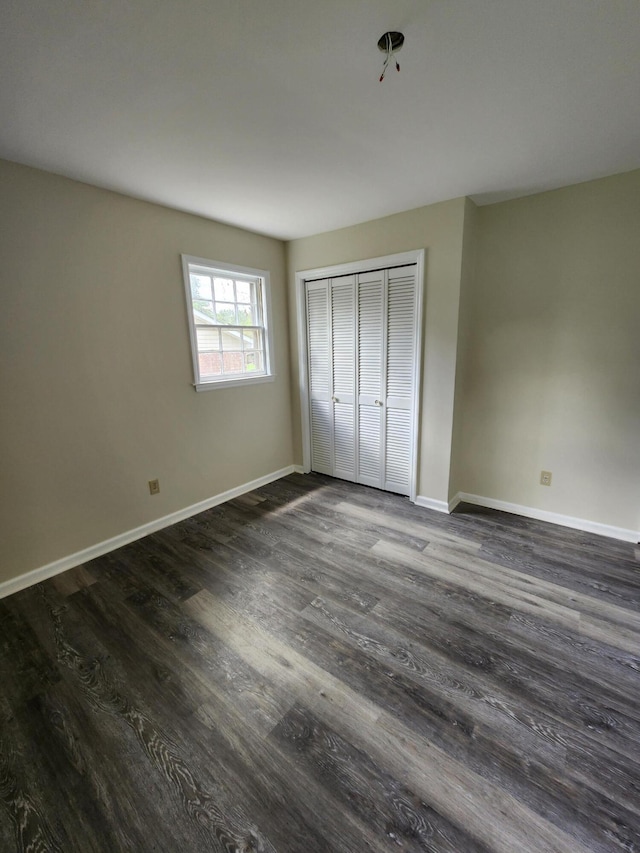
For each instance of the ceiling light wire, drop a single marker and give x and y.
(389, 43)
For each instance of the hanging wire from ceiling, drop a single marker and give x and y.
(389, 43)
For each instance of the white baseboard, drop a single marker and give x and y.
(80, 557)
(553, 517)
(300, 469)
(453, 503)
(431, 503)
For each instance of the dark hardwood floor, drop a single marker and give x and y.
(320, 667)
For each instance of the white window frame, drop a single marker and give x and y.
(238, 272)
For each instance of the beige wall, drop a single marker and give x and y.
(552, 360)
(96, 369)
(465, 319)
(531, 321)
(438, 229)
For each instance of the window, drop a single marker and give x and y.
(228, 322)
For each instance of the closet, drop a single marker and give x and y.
(361, 339)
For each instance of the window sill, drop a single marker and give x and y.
(233, 383)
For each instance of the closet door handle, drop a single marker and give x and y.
(379, 403)
(334, 400)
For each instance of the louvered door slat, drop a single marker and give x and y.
(401, 308)
(370, 377)
(369, 446)
(397, 456)
(319, 357)
(343, 334)
(321, 437)
(370, 328)
(318, 336)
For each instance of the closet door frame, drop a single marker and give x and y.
(414, 257)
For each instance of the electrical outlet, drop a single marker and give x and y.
(154, 487)
(545, 478)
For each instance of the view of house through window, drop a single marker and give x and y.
(228, 322)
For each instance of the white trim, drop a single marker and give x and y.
(453, 503)
(300, 469)
(417, 374)
(398, 260)
(303, 369)
(431, 503)
(401, 259)
(235, 383)
(553, 517)
(36, 575)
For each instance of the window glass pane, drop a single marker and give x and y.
(253, 362)
(224, 290)
(201, 287)
(231, 340)
(208, 339)
(232, 362)
(246, 291)
(203, 311)
(252, 339)
(247, 316)
(210, 364)
(226, 313)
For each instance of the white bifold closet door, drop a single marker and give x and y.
(361, 357)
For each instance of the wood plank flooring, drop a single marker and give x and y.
(319, 667)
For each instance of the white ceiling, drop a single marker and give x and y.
(268, 114)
